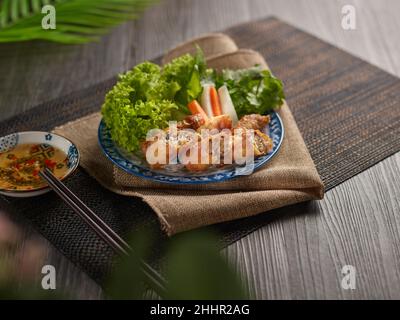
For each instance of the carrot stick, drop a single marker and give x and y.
(215, 105)
(195, 108)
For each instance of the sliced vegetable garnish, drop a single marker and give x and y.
(215, 105)
(195, 108)
(227, 104)
(206, 100)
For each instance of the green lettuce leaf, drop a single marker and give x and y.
(147, 97)
(139, 102)
(186, 71)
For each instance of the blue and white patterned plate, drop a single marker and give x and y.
(8, 143)
(174, 173)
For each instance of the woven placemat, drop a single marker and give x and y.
(347, 110)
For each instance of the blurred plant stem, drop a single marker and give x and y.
(191, 263)
(193, 267)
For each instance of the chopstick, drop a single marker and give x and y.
(152, 277)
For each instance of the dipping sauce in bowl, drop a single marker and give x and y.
(19, 167)
(24, 154)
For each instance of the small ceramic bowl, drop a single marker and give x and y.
(47, 142)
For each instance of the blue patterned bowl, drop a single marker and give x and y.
(174, 174)
(45, 140)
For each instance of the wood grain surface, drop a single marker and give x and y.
(296, 256)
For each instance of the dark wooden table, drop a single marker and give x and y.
(296, 257)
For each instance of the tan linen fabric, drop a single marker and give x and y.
(289, 178)
(213, 44)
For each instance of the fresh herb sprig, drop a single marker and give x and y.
(252, 90)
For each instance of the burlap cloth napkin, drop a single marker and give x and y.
(289, 178)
